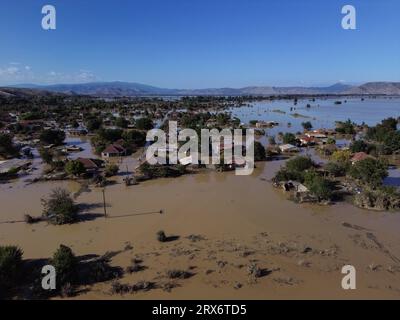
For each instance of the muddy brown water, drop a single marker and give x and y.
(242, 220)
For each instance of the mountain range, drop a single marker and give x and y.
(128, 89)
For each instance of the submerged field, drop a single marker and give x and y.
(234, 222)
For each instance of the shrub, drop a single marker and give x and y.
(254, 271)
(111, 170)
(178, 274)
(10, 266)
(46, 155)
(55, 137)
(119, 288)
(341, 156)
(383, 198)
(330, 140)
(161, 236)
(60, 208)
(271, 141)
(75, 168)
(289, 138)
(307, 125)
(65, 263)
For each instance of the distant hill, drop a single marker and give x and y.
(386, 88)
(24, 92)
(120, 89)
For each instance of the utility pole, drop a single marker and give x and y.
(104, 203)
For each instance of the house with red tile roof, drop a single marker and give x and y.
(359, 156)
(91, 165)
(114, 150)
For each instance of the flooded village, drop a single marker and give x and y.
(75, 190)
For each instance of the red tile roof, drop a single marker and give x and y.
(114, 148)
(359, 156)
(88, 163)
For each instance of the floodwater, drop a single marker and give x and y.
(82, 142)
(241, 219)
(322, 112)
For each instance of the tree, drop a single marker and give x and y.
(55, 137)
(285, 175)
(121, 122)
(369, 171)
(271, 141)
(318, 186)
(94, 124)
(342, 156)
(111, 170)
(336, 169)
(7, 148)
(259, 152)
(289, 138)
(299, 164)
(307, 125)
(389, 123)
(75, 168)
(46, 155)
(144, 124)
(134, 137)
(345, 127)
(10, 267)
(65, 263)
(358, 146)
(60, 208)
(330, 140)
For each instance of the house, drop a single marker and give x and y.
(77, 132)
(316, 135)
(32, 124)
(114, 150)
(359, 156)
(306, 140)
(288, 148)
(294, 185)
(91, 165)
(328, 149)
(186, 161)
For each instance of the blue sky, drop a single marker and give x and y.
(200, 43)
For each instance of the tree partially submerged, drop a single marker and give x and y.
(66, 265)
(75, 168)
(60, 208)
(370, 172)
(259, 152)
